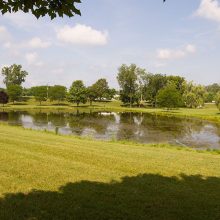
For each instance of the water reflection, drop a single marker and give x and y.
(138, 127)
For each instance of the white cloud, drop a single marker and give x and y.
(21, 19)
(36, 42)
(171, 54)
(33, 59)
(190, 48)
(82, 35)
(209, 9)
(4, 34)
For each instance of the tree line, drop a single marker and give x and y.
(137, 87)
(78, 93)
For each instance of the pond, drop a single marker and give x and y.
(136, 127)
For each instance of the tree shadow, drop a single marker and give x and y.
(141, 197)
(171, 111)
(60, 104)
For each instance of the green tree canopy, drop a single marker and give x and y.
(3, 98)
(212, 90)
(101, 89)
(77, 93)
(91, 94)
(169, 96)
(127, 79)
(40, 8)
(14, 92)
(40, 93)
(154, 83)
(14, 75)
(57, 93)
(194, 95)
(217, 100)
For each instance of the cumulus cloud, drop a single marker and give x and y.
(36, 42)
(33, 59)
(82, 35)
(209, 9)
(171, 54)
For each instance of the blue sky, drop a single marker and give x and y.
(180, 37)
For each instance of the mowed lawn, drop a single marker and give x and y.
(44, 176)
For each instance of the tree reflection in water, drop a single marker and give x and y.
(136, 127)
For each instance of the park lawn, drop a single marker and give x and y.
(47, 176)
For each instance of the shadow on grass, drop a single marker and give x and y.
(141, 197)
(60, 104)
(171, 111)
(19, 103)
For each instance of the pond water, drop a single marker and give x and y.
(137, 127)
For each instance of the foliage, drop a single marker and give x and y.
(40, 93)
(217, 100)
(127, 79)
(40, 8)
(27, 92)
(212, 90)
(111, 93)
(101, 89)
(194, 95)
(57, 93)
(91, 94)
(14, 75)
(14, 92)
(77, 93)
(178, 81)
(153, 84)
(169, 97)
(3, 97)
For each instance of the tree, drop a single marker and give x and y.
(14, 75)
(91, 94)
(179, 82)
(14, 92)
(217, 100)
(77, 93)
(40, 8)
(111, 93)
(3, 98)
(194, 95)
(57, 93)
(40, 93)
(127, 79)
(169, 96)
(212, 90)
(101, 89)
(154, 83)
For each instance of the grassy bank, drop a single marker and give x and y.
(209, 112)
(44, 176)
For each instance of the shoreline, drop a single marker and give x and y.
(207, 114)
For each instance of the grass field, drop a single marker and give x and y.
(44, 176)
(209, 112)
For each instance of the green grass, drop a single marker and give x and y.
(209, 112)
(45, 176)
